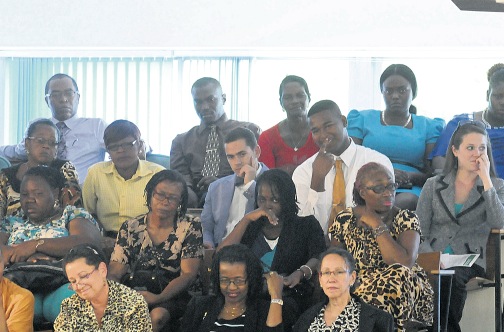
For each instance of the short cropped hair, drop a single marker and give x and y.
(60, 76)
(204, 81)
(120, 129)
(174, 177)
(91, 253)
(241, 133)
(51, 175)
(296, 79)
(324, 105)
(41, 122)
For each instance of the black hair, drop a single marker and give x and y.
(51, 175)
(493, 69)
(238, 253)
(362, 174)
(241, 133)
(456, 139)
(283, 188)
(60, 76)
(497, 77)
(172, 176)
(91, 253)
(325, 105)
(407, 73)
(204, 81)
(120, 129)
(297, 79)
(41, 122)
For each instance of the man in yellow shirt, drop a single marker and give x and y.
(17, 304)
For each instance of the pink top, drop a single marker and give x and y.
(275, 153)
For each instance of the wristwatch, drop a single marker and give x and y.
(277, 301)
(39, 243)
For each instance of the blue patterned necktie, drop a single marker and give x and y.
(212, 158)
(62, 148)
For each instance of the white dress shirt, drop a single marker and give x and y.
(319, 203)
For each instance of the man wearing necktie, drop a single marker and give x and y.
(231, 197)
(199, 153)
(81, 139)
(324, 182)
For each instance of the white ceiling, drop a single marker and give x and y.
(238, 25)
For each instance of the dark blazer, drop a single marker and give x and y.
(301, 239)
(371, 319)
(202, 312)
(466, 232)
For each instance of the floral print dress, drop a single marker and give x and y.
(134, 243)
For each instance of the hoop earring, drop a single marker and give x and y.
(56, 204)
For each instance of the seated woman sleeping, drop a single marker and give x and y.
(165, 235)
(47, 230)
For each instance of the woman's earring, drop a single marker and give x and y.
(56, 204)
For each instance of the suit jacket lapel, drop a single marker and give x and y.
(446, 194)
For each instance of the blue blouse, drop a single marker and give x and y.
(405, 147)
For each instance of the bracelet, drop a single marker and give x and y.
(380, 230)
(309, 269)
(277, 301)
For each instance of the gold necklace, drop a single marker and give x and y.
(234, 312)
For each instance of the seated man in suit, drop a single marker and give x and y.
(231, 197)
(199, 153)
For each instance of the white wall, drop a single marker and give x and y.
(161, 25)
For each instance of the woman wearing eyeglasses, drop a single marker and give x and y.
(164, 238)
(41, 143)
(237, 281)
(384, 241)
(47, 231)
(399, 133)
(99, 304)
(458, 208)
(113, 189)
(341, 310)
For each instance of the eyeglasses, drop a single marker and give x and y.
(380, 189)
(161, 197)
(209, 99)
(337, 273)
(43, 141)
(225, 282)
(56, 95)
(124, 146)
(401, 91)
(73, 284)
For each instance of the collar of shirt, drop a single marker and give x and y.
(218, 123)
(349, 154)
(142, 169)
(70, 123)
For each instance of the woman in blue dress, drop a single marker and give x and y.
(492, 117)
(397, 132)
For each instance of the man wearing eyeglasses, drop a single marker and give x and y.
(81, 139)
(232, 196)
(198, 157)
(315, 178)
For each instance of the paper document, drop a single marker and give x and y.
(448, 260)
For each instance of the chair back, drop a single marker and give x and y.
(4, 163)
(159, 159)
